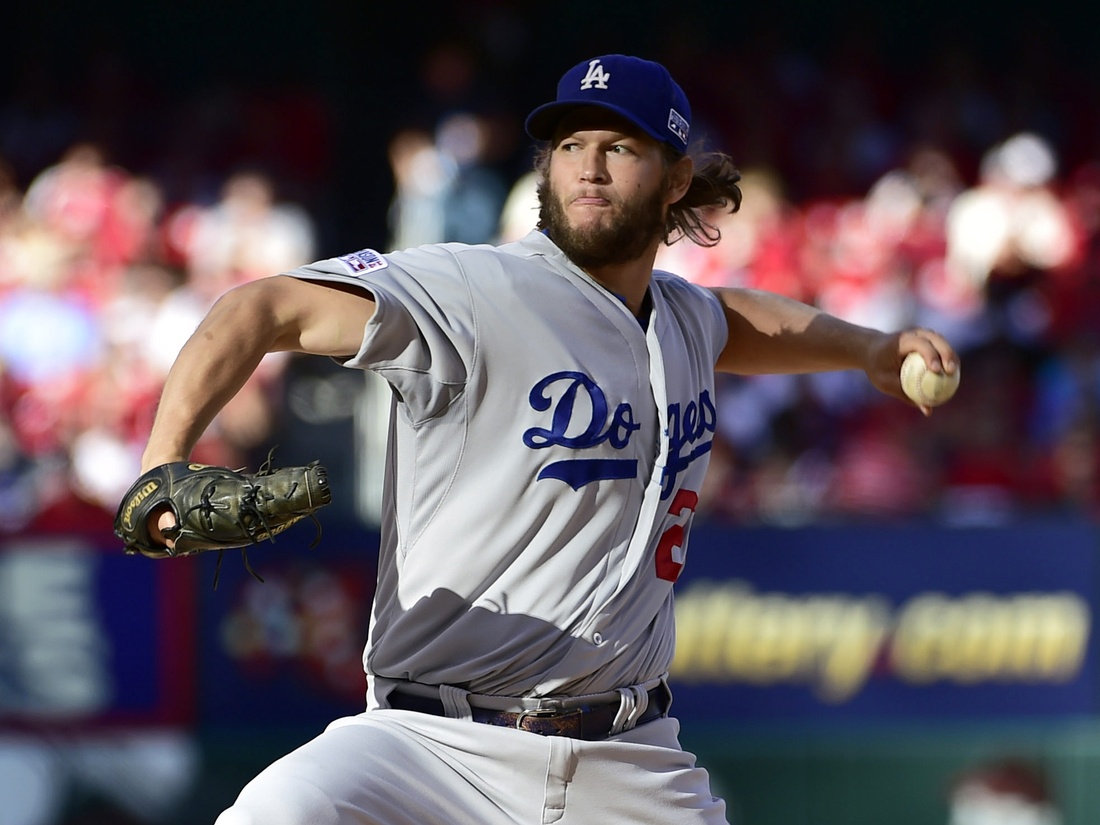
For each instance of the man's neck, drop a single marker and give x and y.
(630, 281)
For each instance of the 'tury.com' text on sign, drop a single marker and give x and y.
(835, 643)
(888, 622)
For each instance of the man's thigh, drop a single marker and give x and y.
(392, 767)
(403, 768)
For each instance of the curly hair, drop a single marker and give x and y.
(713, 186)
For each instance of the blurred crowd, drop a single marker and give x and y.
(1005, 265)
(101, 282)
(106, 268)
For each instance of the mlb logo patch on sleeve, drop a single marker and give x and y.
(362, 261)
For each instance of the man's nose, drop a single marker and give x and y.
(594, 168)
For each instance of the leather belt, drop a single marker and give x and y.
(591, 723)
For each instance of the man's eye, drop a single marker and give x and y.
(619, 149)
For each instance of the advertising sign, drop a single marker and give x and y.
(91, 637)
(887, 622)
(813, 624)
(287, 649)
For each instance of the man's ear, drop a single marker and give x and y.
(679, 179)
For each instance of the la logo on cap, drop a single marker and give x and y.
(596, 76)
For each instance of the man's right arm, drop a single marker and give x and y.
(274, 314)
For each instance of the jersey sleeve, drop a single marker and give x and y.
(421, 338)
(701, 309)
(717, 327)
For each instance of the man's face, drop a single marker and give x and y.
(605, 196)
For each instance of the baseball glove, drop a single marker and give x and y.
(217, 508)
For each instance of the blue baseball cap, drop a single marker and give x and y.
(640, 90)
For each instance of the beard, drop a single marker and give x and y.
(626, 237)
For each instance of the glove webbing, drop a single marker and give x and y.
(249, 506)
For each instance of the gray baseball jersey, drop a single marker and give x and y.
(545, 456)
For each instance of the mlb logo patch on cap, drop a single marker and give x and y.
(678, 125)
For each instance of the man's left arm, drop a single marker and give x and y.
(769, 333)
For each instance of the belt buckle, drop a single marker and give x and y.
(545, 714)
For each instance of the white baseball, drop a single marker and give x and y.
(927, 388)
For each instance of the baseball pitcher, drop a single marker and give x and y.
(553, 411)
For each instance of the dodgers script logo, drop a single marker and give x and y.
(687, 426)
(582, 418)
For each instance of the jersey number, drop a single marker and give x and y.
(669, 561)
